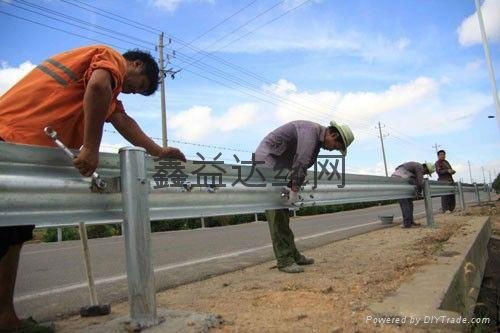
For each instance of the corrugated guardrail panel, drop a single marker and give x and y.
(39, 185)
(442, 188)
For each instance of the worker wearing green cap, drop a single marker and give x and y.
(295, 146)
(414, 173)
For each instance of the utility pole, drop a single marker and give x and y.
(491, 72)
(162, 98)
(489, 171)
(383, 149)
(484, 178)
(470, 173)
(436, 146)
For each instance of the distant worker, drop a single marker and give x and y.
(445, 174)
(414, 173)
(74, 92)
(295, 146)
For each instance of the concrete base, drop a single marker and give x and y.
(171, 321)
(443, 295)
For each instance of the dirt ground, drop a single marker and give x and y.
(331, 296)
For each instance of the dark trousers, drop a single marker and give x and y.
(282, 236)
(407, 210)
(448, 202)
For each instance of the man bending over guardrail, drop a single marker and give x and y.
(295, 146)
(414, 173)
(73, 92)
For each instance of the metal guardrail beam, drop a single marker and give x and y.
(40, 186)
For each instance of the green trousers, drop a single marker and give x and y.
(282, 236)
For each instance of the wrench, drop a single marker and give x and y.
(51, 133)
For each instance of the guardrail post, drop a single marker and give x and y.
(256, 217)
(203, 223)
(59, 234)
(428, 204)
(294, 213)
(478, 197)
(137, 230)
(488, 189)
(461, 197)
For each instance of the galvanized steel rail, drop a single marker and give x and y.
(40, 186)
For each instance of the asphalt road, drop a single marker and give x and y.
(52, 281)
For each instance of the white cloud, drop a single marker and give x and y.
(10, 75)
(171, 5)
(468, 31)
(318, 37)
(239, 116)
(353, 106)
(377, 170)
(198, 122)
(281, 88)
(369, 104)
(111, 147)
(417, 108)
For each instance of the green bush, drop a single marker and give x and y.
(102, 230)
(107, 230)
(68, 233)
(180, 224)
(496, 184)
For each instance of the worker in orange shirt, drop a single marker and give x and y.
(74, 92)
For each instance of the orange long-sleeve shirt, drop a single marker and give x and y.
(52, 95)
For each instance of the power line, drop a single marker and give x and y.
(96, 40)
(121, 19)
(61, 30)
(191, 143)
(280, 99)
(27, 3)
(266, 23)
(187, 44)
(220, 23)
(244, 24)
(72, 24)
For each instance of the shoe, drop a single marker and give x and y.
(293, 268)
(31, 326)
(405, 226)
(304, 261)
(413, 224)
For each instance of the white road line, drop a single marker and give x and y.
(122, 277)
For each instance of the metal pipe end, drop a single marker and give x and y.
(131, 149)
(50, 132)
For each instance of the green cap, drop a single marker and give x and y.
(431, 167)
(345, 133)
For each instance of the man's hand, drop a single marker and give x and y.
(171, 152)
(291, 197)
(86, 161)
(451, 171)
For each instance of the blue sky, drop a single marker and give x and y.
(416, 66)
